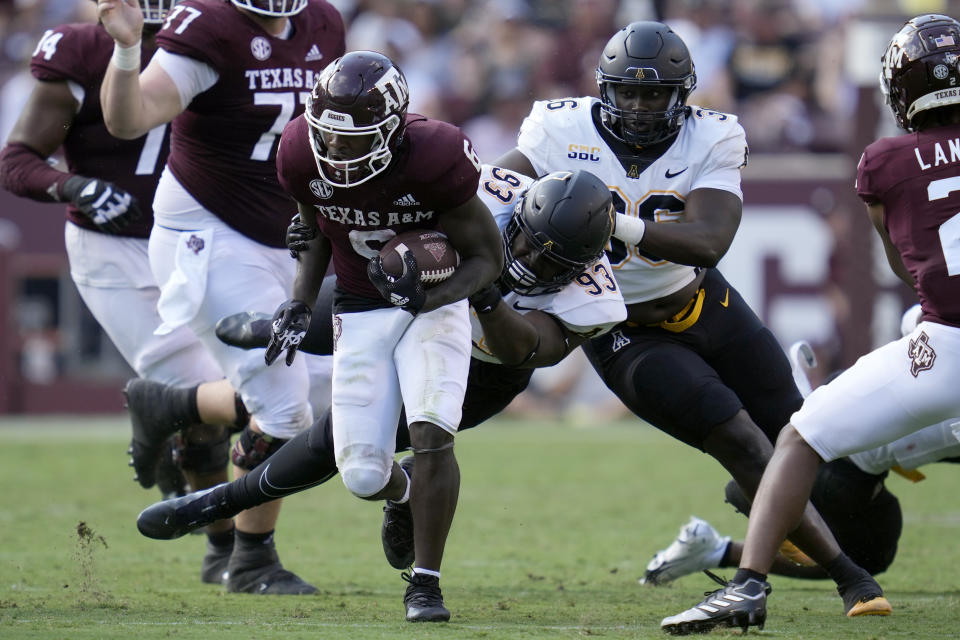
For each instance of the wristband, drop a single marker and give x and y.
(126, 58)
(629, 229)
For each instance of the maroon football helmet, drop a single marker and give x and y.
(920, 67)
(272, 8)
(359, 94)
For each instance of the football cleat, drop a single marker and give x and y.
(171, 519)
(168, 474)
(864, 598)
(735, 605)
(697, 547)
(256, 569)
(151, 427)
(396, 534)
(246, 330)
(423, 599)
(214, 568)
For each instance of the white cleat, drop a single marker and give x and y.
(698, 547)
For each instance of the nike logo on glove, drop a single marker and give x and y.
(519, 307)
(674, 175)
(726, 299)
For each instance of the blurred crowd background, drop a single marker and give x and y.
(800, 74)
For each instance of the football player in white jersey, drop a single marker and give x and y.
(692, 358)
(556, 291)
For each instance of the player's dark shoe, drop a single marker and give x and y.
(258, 570)
(214, 568)
(423, 599)
(735, 605)
(246, 330)
(396, 534)
(864, 598)
(152, 426)
(171, 519)
(169, 475)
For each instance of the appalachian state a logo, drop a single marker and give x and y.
(921, 354)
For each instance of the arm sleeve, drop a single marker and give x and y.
(25, 173)
(191, 76)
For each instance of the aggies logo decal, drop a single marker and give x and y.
(921, 354)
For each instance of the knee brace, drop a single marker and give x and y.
(365, 469)
(205, 448)
(253, 448)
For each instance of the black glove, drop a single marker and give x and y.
(107, 205)
(406, 291)
(299, 234)
(487, 299)
(290, 323)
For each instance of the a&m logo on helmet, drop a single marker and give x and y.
(393, 87)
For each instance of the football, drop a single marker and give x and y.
(435, 256)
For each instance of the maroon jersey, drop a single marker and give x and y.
(916, 177)
(224, 145)
(80, 53)
(431, 172)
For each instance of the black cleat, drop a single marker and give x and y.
(168, 473)
(736, 605)
(214, 569)
(423, 599)
(171, 519)
(151, 427)
(246, 330)
(396, 534)
(257, 570)
(864, 598)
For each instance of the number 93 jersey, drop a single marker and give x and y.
(589, 306)
(708, 153)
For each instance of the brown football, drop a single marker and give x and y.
(436, 257)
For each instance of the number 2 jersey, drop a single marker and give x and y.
(708, 152)
(78, 54)
(223, 146)
(589, 306)
(916, 177)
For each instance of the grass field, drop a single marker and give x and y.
(555, 524)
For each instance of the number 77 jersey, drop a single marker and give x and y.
(916, 177)
(223, 146)
(708, 152)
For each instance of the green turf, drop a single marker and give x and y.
(554, 526)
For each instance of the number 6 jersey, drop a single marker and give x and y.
(708, 152)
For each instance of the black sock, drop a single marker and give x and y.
(725, 558)
(245, 539)
(222, 539)
(182, 402)
(303, 462)
(844, 571)
(745, 574)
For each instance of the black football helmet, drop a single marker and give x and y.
(567, 218)
(359, 94)
(920, 67)
(645, 54)
(272, 8)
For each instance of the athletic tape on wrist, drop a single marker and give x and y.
(629, 229)
(126, 58)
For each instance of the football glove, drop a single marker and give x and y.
(107, 205)
(290, 323)
(299, 234)
(487, 299)
(407, 291)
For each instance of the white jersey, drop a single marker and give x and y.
(709, 152)
(589, 306)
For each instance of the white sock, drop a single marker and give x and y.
(427, 572)
(406, 492)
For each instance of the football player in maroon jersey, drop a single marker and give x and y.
(911, 186)
(229, 76)
(108, 188)
(396, 343)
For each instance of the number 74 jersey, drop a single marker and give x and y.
(708, 152)
(589, 306)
